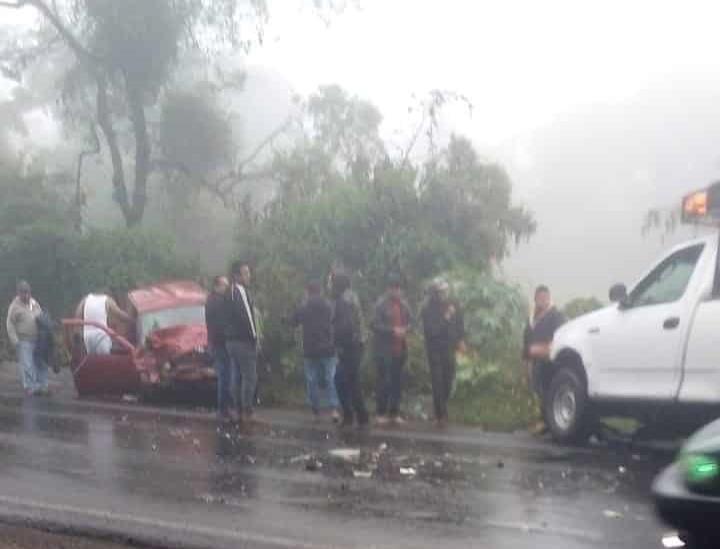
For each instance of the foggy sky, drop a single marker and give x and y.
(600, 111)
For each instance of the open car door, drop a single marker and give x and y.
(112, 374)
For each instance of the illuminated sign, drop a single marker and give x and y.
(703, 206)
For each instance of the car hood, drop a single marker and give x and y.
(177, 341)
(706, 440)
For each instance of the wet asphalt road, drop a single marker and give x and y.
(168, 475)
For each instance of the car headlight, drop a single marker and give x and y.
(701, 470)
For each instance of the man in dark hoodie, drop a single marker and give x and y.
(444, 328)
(215, 321)
(350, 343)
(315, 316)
(539, 333)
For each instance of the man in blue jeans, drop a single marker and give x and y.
(215, 320)
(315, 316)
(23, 332)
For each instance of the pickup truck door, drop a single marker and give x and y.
(701, 372)
(636, 349)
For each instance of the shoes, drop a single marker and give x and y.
(397, 420)
(381, 420)
(336, 416)
(539, 428)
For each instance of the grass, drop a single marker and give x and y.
(495, 410)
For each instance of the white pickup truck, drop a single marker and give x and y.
(656, 349)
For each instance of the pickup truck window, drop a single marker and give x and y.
(668, 281)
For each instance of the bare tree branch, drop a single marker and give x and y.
(69, 38)
(264, 143)
(413, 140)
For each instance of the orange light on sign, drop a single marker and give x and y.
(695, 205)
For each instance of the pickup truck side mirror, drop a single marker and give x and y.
(618, 294)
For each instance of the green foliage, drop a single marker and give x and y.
(580, 306)
(136, 38)
(347, 128)
(390, 216)
(470, 202)
(37, 244)
(491, 386)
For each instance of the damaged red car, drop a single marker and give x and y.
(165, 345)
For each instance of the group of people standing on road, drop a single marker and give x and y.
(334, 341)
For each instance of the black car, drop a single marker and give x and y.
(687, 492)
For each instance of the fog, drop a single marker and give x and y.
(591, 175)
(598, 115)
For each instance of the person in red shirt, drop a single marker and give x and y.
(390, 325)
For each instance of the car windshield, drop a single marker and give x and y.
(165, 318)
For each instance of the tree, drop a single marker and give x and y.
(125, 54)
(470, 203)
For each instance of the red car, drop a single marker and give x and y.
(166, 344)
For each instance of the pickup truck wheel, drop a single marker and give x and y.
(565, 405)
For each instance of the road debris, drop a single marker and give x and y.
(130, 399)
(609, 513)
(362, 474)
(408, 471)
(346, 454)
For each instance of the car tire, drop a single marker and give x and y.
(565, 407)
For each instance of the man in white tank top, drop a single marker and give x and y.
(98, 308)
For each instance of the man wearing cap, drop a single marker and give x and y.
(390, 326)
(444, 329)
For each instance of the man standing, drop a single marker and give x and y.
(349, 340)
(444, 335)
(241, 337)
(104, 311)
(23, 332)
(390, 326)
(539, 333)
(315, 316)
(215, 320)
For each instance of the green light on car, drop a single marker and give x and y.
(701, 469)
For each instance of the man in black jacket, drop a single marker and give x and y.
(349, 340)
(215, 320)
(444, 335)
(315, 316)
(241, 336)
(539, 333)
